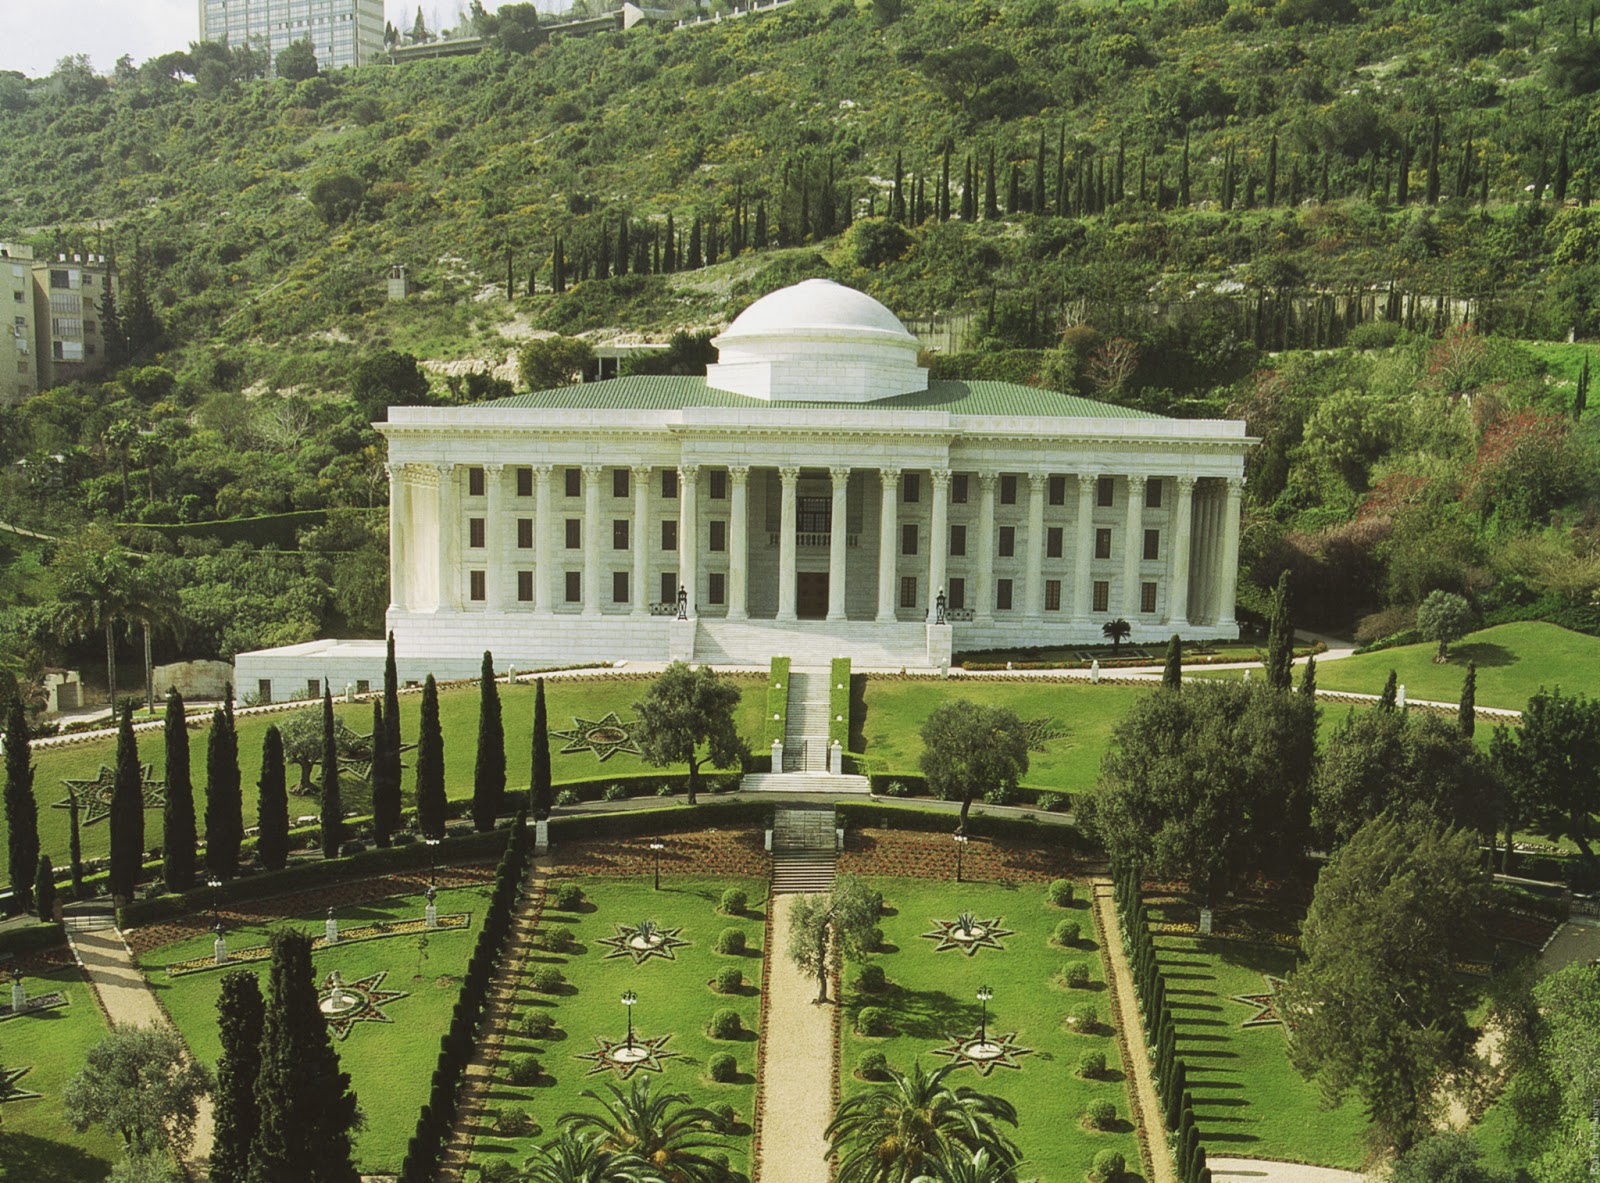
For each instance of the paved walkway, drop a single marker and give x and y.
(128, 1001)
(1143, 1094)
(1262, 1170)
(797, 1097)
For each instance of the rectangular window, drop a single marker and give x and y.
(1052, 595)
(1002, 594)
(525, 586)
(1105, 488)
(669, 482)
(1152, 544)
(313, 685)
(574, 534)
(1008, 541)
(669, 586)
(477, 585)
(1058, 490)
(908, 539)
(717, 587)
(524, 533)
(1152, 493)
(958, 489)
(908, 591)
(1008, 489)
(619, 482)
(958, 540)
(475, 483)
(958, 594)
(619, 587)
(574, 479)
(1102, 543)
(1052, 542)
(1102, 595)
(719, 534)
(814, 515)
(524, 481)
(1147, 597)
(475, 532)
(363, 686)
(718, 483)
(574, 587)
(911, 488)
(264, 689)
(619, 534)
(669, 535)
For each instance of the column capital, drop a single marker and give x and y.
(739, 473)
(941, 478)
(890, 475)
(839, 473)
(641, 472)
(790, 475)
(1086, 477)
(1236, 485)
(593, 471)
(426, 475)
(1186, 484)
(988, 480)
(1137, 480)
(688, 471)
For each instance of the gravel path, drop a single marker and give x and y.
(1262, 1170)
(797, 1100)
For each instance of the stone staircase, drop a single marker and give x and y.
(805, 733)
(803, 782)
(803, 850)
(869, 644)
(88, 917)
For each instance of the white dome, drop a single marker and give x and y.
(817, 341)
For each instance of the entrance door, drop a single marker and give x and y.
(811, 595)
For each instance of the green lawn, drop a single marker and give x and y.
(895, 712)
(36, 1144)
(674, 998)
(390, 1064)
(932, 996)
(458, 714)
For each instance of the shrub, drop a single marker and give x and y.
(568, 897)
(722, 1067)
(727, 1117)
(616, 792)
(873, 1020)
(731, 941)
(735, 901)
(515, 1123)
(1060, 892)
(1084, 1019)
(1093, 1065)
(524, 1070)
(546, 979)
(1108, 1166)
(558, 939)
(665, 789)
(567, 797)
(725, 1024)
(1076, 974)
(729, 979)
(872, 1065)
(896, 788)
(874, 941)
(537, 1024)
(1067, 933)
(1100, 1115)
(1050, 802)
(871, 978)
(1001, 794)
(498, 1171)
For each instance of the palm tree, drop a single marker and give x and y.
(894, 1133)
(94, 582)
(1116, 631)
(981, 1167)
(579, 1158)
(660, 1135)
(153, 604)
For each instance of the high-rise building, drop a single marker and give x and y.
(19, 358)
(342, 32)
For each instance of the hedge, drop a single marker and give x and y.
(859, 814)
(31, 938)
(839, 702)
(1026, 795)
(776, 718)
(588, 827)
(643, 784)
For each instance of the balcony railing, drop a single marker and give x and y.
(812, 541)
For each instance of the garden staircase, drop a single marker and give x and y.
(804, 848)
(805, 729)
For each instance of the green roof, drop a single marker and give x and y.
(654, 393)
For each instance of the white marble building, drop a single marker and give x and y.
(813, 495)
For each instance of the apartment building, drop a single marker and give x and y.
(19, 357)
(342, 32)
(68, 302)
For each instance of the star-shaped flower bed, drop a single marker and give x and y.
(643, 941)
(968, 934)
(625, 1058)
(10, 1090)
(604, 737)
(37, 1003)
(984, 1051)
(344, 1004)
(94, 796)
(1265, 1006)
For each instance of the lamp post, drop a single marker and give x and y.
(433, 859)
(215, 884)
(628, 1000)
(656, 847)
(961, 845)
(984, 994)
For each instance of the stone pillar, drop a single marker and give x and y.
(888, 542)
(1178, 580)
(494, 575)
(399, 535)
(544, 526)
(591, 538)
(1082, 584)
(1133, 542)
(790, 476)
(689, 533)
(938, 540)
(641, 474)
(838, 542)
(1228, 576)
(738, 542)
(449, 494)
(983, 609)
(1033, 593)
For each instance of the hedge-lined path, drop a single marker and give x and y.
(797, 1068)
(127, 1000)
(498, 1016)
(1147, 1120)
(1266, 1170)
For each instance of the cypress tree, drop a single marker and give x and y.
(1558, 188)
(44, 888)
(304, 1104)
(991, 209)
(74, 846)
(1172, 675)
(430, 765)
(1433, 163)
(1197, 1164)
(540, 789)
(1467, 714)
(22, 810)
(1183, 172)
(272, 804)
(669, 250)
(1178, 1082)
(1272, 172)
(943, 200)
(760, 243)
(1402, 181)
(1036, 201)
(1061, 172)
(391, 751)
(558, 268)
(1118, 188)
(1012, 197)
(127, 812)
(224, 809)
(695, 262)
(332, 806)
(1308, 678)
(177, 818)
(897, 196)
(1280, 637)
(240, 1012)
(379, 775)
(1390, 698)
(489, 774)
(1580, 401)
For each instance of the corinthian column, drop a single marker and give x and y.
(1033, 598)
(1228, 575)
(449, 494)
(790, 476)
(544, 527)
(938, 540)
(591, 539)
(1082, 586)
(837, 542)
(1178, 581)
(888, 542)
(1133, 544)
(399, 535)
(641, 539)
(494, 575)
(984, 608)
(739, 542)
(688, 533)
